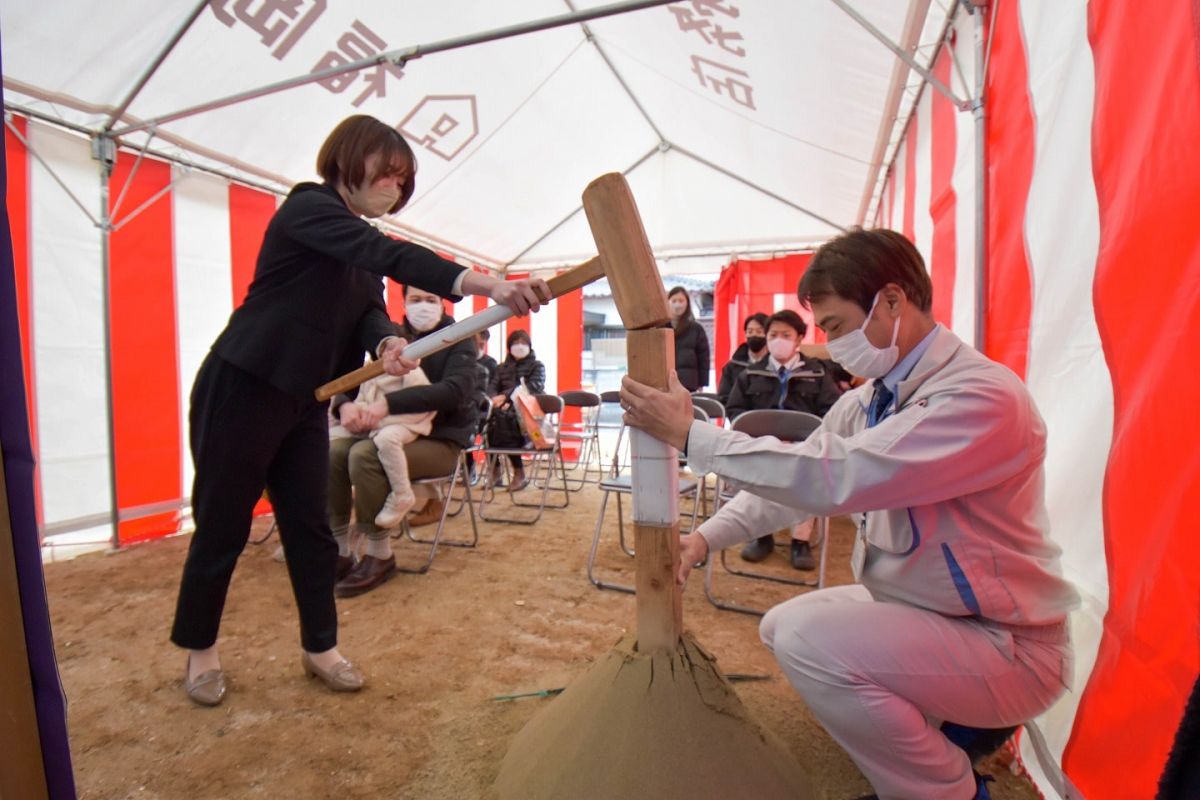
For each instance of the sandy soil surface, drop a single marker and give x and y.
(516, 614)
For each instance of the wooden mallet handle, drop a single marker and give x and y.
(562, 283)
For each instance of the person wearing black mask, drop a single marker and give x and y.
(751, 350)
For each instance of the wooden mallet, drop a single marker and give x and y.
(652, 717)
(642, 303)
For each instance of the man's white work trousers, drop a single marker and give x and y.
(882, 677)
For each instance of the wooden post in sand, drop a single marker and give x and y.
(642, 302)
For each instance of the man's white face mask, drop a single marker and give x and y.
(858, 356)
(423, 316)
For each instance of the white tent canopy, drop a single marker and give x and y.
(725, 151)
(746, 128)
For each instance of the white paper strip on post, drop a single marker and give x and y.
(655, 480)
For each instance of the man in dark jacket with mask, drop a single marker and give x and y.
(354, 462)
(751, 350)
(785, 379)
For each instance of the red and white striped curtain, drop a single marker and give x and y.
(1093, 288)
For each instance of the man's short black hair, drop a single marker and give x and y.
(857, 264)
(758, 317)
(788, 317)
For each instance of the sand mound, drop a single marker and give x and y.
(664, 726)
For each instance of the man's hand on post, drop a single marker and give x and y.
(667, 416)
(692, 550)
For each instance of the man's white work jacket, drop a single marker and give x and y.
(947, 491)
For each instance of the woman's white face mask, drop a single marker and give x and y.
(519, 350)
(858, 356)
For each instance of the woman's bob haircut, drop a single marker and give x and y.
(343, 157)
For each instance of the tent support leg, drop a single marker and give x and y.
(979, 110)
(104, 150)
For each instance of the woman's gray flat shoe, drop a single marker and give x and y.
(344, 677)
(209, 687)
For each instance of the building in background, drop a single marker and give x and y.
(604, 336)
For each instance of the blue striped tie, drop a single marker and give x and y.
(880, 404)
(783, 385)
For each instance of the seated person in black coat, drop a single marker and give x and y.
(521, 366)
(785, 379)
(354, 463)
(751, 350)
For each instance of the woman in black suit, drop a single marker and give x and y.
(314, 308)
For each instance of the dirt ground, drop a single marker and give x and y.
(516, 614)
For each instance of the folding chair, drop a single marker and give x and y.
(788, 426)
(551, 458)
(611, 402)
(456, 477)
(711, 406)
(483, 405)
(621, 485)
(587, 433)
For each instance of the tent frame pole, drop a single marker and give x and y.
(104, 151)
(752, 185)
(930, 78)
(150, 70)
(575, 211)
(399, 57)
(910, 38)
(979, 110)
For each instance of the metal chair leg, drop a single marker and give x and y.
(591, 562)
(489, 492)
(459, 477)
(819, 583)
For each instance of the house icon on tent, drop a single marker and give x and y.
(443, 124)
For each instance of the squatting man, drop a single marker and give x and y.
(956, 628)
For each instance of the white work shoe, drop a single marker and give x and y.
(394, 509)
